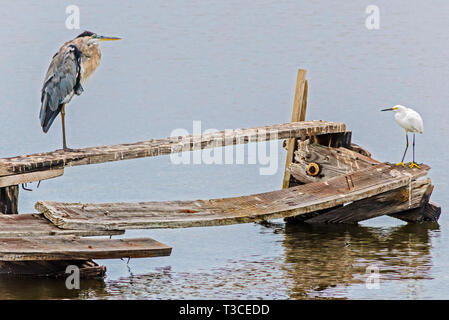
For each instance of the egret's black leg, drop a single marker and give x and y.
(405, 152)
(406, 147)
(413, 164)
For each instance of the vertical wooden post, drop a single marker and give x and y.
(9, 200)
(298, 114)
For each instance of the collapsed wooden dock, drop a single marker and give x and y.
(285, 203)
(327, 179)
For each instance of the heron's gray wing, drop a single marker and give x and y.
(61, 82)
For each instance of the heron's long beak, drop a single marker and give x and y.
(103, 38)
(389, 109)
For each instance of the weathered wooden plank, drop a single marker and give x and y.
(9, 203)
(298, 114)
(258, 207)
(76, 248)
(408, 197)
(332, 162)
(30, 177)
(34, 225)
(150, 148)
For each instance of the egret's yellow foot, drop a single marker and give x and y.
(414, 165)
(400, 164)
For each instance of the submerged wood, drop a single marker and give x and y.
(88, 269)
(32, 225)
(258, 207)
(429, 212)
(76, 248)
(150, 148)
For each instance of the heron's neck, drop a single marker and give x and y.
(90, 60)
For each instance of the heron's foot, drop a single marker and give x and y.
(413, 164)
(68, 149)
(400, 164)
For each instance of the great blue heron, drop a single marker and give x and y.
(69, 70)
(411, 121)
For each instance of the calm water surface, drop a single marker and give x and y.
(233, 64)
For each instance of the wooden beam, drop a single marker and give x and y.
(30, 177)
(253, 208)
(59, 159)
(34, 225)
(9, 203)
(382, 204)
(298, 114)
(76, 248)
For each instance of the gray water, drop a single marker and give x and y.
(233, 64)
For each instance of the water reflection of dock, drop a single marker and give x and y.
(317, 261)
(322, 256)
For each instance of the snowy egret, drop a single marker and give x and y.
(411, 121)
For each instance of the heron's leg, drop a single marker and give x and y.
(64, 144)
(413, 164)
(406, 147)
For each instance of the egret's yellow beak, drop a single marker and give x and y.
(103, 38)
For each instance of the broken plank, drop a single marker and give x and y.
(34, 225)
(150, 148)
(76, 248)
(253, 208)
(382, 204)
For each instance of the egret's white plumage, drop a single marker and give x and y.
(412, 122)
(408, 119)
